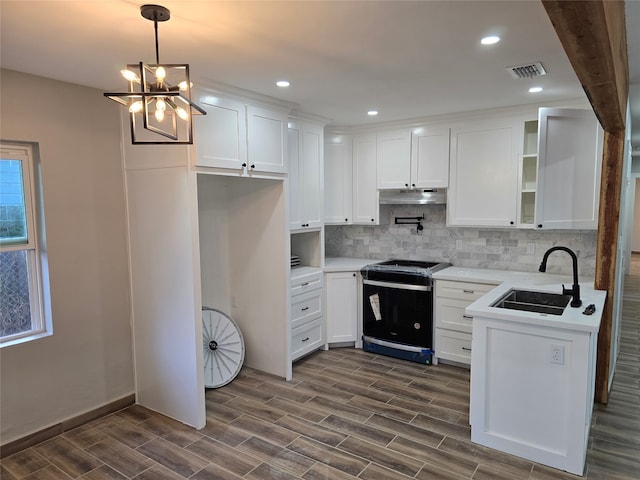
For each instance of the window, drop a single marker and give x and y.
(22, 299)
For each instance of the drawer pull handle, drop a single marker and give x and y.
(304, 284)
(466, 349)
(467, 316)
(305, 339)
(304, 308)
(468, 291)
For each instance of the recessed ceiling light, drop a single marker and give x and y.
(535, 89)
(490, 40)
(372, 113)
(282, 83)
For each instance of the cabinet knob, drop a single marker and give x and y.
(539, 225)
(253, 166)
(373, 219)
(406, 184)
(354, 274)
(413, 185)
(346, 219)
(244, 165)
(511, 222)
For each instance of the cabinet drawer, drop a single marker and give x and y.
(450, 314)
(454, 346)
(306, 283)
(306, 339)
(305, 307)
(462, 290)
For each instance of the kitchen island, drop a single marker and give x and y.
(532, 375)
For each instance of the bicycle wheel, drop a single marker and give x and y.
(223, 348)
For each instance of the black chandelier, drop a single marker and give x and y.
(159, 96)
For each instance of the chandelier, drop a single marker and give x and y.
(159, 95)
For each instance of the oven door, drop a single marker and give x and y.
(398, 312)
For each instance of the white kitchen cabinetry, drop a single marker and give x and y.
(484, 174)
(452, 326)
(239, 137)
(570, 159)
(366, 209)
(417, 158)
(342, 306)
(307, 311)
(305, 174)
(532, 390)
(338, 179)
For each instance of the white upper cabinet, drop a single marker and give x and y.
(267, 140)
(221, 134)
(484, 173)
(417, 158)
(306, 174)
(366, 208)
(237, 136)
(430, 157)
(338, 175)
(570, 158)
(394, 160)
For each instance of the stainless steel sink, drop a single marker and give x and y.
(540, 302)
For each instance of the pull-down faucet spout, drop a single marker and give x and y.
(575, 289)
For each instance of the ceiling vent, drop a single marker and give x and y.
(527, 71)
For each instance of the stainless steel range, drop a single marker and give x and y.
(397, 308)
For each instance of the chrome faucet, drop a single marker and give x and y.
(575, 289)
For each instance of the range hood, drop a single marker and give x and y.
(413, 197)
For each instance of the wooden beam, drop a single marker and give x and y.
(606, 249)
(593, 35)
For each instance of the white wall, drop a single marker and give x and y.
(87, 362)
(635, 240)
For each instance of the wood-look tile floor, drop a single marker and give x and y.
(346, 414)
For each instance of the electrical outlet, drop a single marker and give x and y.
(557, 354)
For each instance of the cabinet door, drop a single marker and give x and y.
(338, 188)
(312, 174)
(267, 140)
(295, 203)
(342, 306)
(430, 157)
(365, 193)
(484, 175)
(221, 134)
(570, 157)
(394, 160)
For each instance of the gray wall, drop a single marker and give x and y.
(87, 362)
(501, 249)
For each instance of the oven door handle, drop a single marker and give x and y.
(399, 286)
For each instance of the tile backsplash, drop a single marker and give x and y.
(500, 249)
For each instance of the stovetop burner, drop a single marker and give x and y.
(411, 272)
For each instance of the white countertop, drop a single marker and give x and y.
(345, 264)
(572, 318)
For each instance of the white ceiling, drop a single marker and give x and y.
(405, 59)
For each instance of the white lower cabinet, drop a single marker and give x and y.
(307, 311)
(527, 400)
(452, 325)
(342, 306)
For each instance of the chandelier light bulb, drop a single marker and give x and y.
(160, 73)
(159, 115)
(136, 107)
(161, 105)
(183, 85)
(182, 113)
(130, 76)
